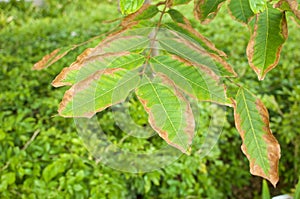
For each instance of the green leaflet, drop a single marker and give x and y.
(240, 10)
(83, 69)
(206, 10)
(268, 35)
(130, 6)
(176, 16)
(188, 49)
(170, 114)
(101, 90)
(258, 6)
(198, 82)
(188, 32)
(259, 144)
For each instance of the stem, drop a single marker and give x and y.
(234, 83)
(153, 36)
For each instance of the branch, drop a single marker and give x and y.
(31, 139)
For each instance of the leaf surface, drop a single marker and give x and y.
(83, 68)
(258, 6)
(206, 10)
(170, 114)
(259, 144)
(268, 36)
(187, 48)
(99, 91)
(189, 31)
(240, 10)
(130, 6)
(199, 82)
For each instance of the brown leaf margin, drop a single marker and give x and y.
(210, 73)
(198, 13)
(213, 56)
(188, 114)
(82, 85)
(272, 143)
(251, 45)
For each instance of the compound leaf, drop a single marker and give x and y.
(99, 91)
(268, 36)
(170, 114)
(259, 144)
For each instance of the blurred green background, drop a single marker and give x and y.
(55, 164)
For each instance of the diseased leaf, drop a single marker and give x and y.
(189, 31)
(206, 10)
(240, 10)
(99, 91)
(293, 4)
(199, 82)
(268, 36)
(178, 44)
(83, 68)
(103, 55)
(130, 6)
(259, 144)
(170, 114)
(258, 6)
(46, 60)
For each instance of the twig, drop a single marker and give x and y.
(31, 139)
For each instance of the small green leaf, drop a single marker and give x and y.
(54, 169)
(9, 178)
(198, 82)
(206, 10)
(170, 114)
(101, 90)
(130, 6)
(268, 35)
(240, 10)
(258, 6)
(259, 144)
